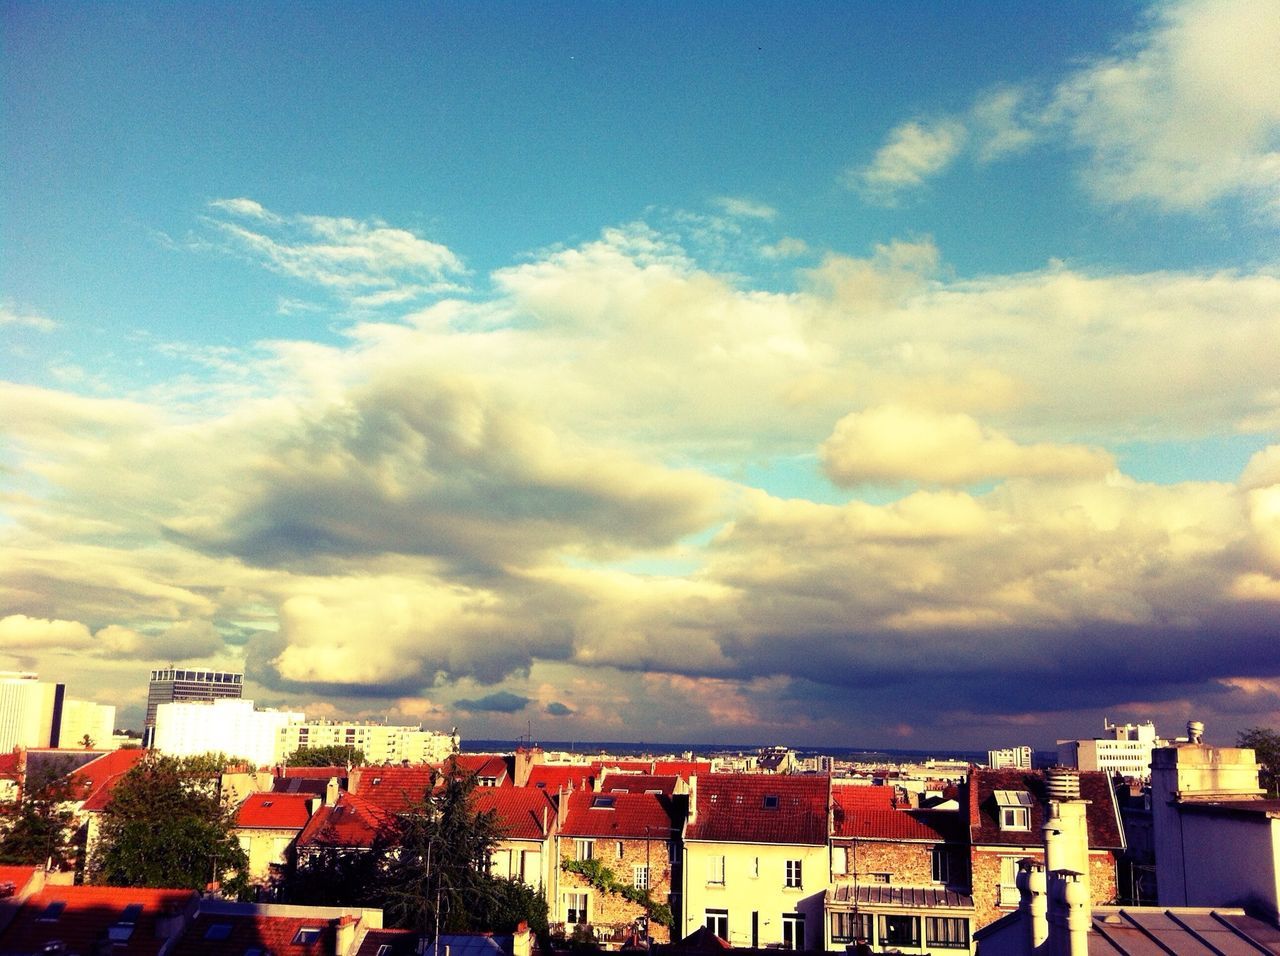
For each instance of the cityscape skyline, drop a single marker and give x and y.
(903, 375)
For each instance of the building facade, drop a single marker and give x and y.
(85, 720)
(1014, 758)
(171, 685)
(380, 743)
(30, 711)
(1123, 749)
(230, 726)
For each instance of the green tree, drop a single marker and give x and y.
(168, 826)
(1266, 746)
(333, 755)
(40, 828)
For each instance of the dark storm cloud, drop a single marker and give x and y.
(557, 709)
(503, 702)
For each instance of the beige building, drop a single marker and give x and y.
(380, 743)
(83, 719)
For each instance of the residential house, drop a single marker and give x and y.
(666, 784)
(529, 821)
(757, 859)
(224, 928)
(633, 837)
(268, 825)
(1006, 811)
(900, 876)
(343, 822)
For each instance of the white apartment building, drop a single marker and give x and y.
(1124, 749)
(30, 711)
(380, 743)
(230, 726)
(84, 718)
(1009, 758)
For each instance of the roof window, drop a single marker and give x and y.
(218, 931)
(771, 801)
(603, 802)
(306, 935)
(51, 912)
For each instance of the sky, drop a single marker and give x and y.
(890, 375)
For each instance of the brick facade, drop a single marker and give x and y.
(992, 901)
(610, 910)
(909, 864)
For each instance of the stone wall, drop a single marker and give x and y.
(611, 909)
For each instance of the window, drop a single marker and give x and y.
(718, 922)
(640, 877)
(51, 912)
(793, 874)
(898, 930)
(218, 931)
(715, 871)
(755, 867)
(850, 927)
(839, 861)
(946, 932)
(793, 931)
(603, 803)
(577, 908)
(306, 936)
(771, 801)
(618, 849)
(1014, 808)
(879, 877)
(950, 866)
(584, 849)
(1007, 891)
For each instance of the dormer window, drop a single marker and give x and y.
(1014, 809)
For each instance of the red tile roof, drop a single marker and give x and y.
(14, 879)
(10, 764)
(315, 773)
(620, 816)
(930, 826)
(556, 777)
(96, 779)
(87, 916)
(978, 803)
(639, 783)
(394, 789)
(740, 808)
(684, 769)
(863, 795)
(274, 811)
(483, 765)
(236, 933)
(351, 822)
(402, 942)
(521, 811)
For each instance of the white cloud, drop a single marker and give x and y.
(892, 444)
(914, 151)
(25, 320)
(745, 208)
(366, 263)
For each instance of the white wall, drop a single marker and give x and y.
(230, 726)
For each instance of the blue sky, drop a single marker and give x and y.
(890, 374)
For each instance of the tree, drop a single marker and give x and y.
(40, 828)
(168, 826)
(333, 755)
(1266, 746)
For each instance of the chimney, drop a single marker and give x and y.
(1033, 903)
(1069, 914)
(345, 936)
(693, 799)
(522, 940)
(1195, 731)
(1066, 826)
(331, 792)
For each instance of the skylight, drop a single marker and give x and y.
(217, 931)
(51, 912)
(603, 802)
(771, 801)
(307, 934)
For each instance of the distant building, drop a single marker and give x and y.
(231, 727)
(1010, 758)
(380, 743)
(1124, 749)
(83, 718)
(30, 711)
(169, 685)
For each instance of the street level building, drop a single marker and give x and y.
(169, 685)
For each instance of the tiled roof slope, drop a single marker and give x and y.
(556, 777)
(521, 811)
(639, 783)
(96, 780)
(930, 826)
(351, 822)
(400, 942)
(978, 799)
(235, 934)
(683, 769)
(16, 877)
(732, 808)
(274, 811)
(394, 789)
(864, 795)
(619, 816)
(87, 916)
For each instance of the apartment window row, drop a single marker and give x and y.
(901, 930)
(792, 873)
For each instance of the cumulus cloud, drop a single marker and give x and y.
(14, 318)
(21, 633)
(892, 444)
(366, 263)
(1186, 113)
(913, 152)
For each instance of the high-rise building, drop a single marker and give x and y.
(1124, 749)
(172, 685)
(30, 711)
(233, 728)
(1011, 758)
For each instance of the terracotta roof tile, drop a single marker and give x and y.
(863, 795)
(521, 812)
(88, 915)
(402, 942)
(684, 769)
(274, 811)
(760, 808)
(556, 777)
(94, 782)
(220, 934)
(932, 826)
(351, 822)
(14, 879)
(394, 789)
(633, 816)
(639, 783)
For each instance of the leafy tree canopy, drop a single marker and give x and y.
(40, 827)
(168, 826)
(334, 755)
(1266, 746)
